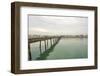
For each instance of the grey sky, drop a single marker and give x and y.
(57, 25)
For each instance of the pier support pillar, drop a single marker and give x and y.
(51, 42)
(45, 45)
(40, 48)
(29, 52)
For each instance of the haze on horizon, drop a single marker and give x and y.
(57, 25)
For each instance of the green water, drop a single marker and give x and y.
(66, 48)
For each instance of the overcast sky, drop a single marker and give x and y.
(57, 25)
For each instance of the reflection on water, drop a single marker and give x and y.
(66, 48)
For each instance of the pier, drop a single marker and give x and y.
(47, 40)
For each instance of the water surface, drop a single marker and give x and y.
(66, 48)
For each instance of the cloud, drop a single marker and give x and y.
(58, 25)
(33, 30)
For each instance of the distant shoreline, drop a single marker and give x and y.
(62, 36)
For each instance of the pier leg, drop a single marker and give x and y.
(29, 52)
(45, 44)
(54, 41)
(51, 42)
(40, 48)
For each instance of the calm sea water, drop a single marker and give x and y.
(66, 48)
